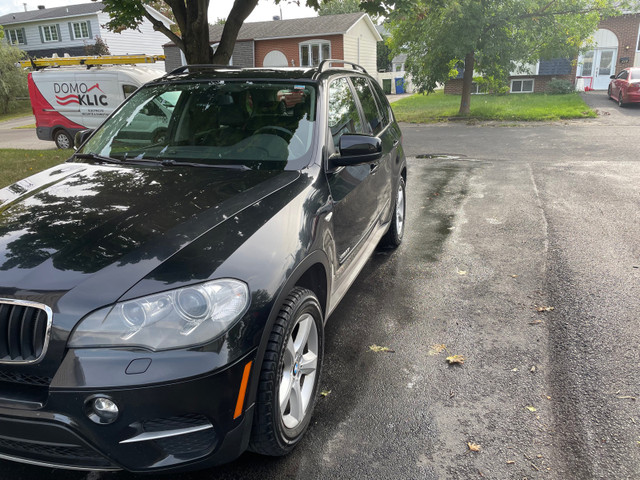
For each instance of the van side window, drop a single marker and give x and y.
(343, 112)
(369, 106)
(128, 90)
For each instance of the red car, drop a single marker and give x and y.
(625, 87)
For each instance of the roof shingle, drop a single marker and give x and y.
(51, 13)
(298, 27)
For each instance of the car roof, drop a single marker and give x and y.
(218, 72)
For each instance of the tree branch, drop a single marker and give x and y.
(160, 27)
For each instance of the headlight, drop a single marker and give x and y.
(174, 319)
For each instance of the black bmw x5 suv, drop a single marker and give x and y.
(163, 299)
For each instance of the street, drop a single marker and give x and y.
(521, 255)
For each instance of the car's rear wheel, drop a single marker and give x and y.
(289, 376)
(63, 139)
(394, 235)
(620, 102)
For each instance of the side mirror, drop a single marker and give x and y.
(357, 149)
(81, 137)
(612, 77)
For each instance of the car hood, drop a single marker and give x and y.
(83, 223)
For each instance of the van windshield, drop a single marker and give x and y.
(263, 125)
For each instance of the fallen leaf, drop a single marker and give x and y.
(514, 370)
(533, 369)
(531, 409)
(627, 397)
(510, 462)
(535, 322)
(474, 447)
(325, 393)
(545, 309)
(437, 349)
(462, 272)
(379, 349)
(514, 276)
(459, 359)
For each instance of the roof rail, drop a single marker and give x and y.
(211, 66)
(326, 64)
(90, 61)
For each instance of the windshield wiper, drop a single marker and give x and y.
(172, 163)
(95, 156)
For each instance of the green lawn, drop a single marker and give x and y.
(438, 106)
(18, 109)
(17, 164)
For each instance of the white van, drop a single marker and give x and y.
(66, 100)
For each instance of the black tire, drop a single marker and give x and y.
(63, 139)
(609, 93)
(621, 104)
(271, 435)
(393, 237)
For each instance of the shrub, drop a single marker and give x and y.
(558, 86)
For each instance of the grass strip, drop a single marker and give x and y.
(520, 107)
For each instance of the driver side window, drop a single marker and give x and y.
(343, 112)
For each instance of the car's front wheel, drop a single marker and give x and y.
(289, 376)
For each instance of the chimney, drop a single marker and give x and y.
(40, 7)
(25, 6)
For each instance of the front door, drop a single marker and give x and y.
(605, 66)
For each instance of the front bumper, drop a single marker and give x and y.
(180, 424)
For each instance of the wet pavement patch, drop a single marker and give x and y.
(442, 156)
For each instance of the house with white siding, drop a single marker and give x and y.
(68, 30)
(298, 42)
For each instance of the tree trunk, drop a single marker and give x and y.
(238, 14)
(467, 81)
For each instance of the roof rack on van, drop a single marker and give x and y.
(40, 63)
(202, 66)
(328, 63)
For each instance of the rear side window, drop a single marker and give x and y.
(371, 112)
(343, 113)
(128, 90)
(383, 104)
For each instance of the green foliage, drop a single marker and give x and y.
(530, 107)
(13, 80)
(498, 34)
(490, 84)
(334, 7)
(98, 48)
(17, 164)
(558, 86)
(383, 57)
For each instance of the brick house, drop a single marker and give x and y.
(616, 45)
(297, 42)
(47, 31)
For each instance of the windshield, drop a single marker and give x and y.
(262, 125)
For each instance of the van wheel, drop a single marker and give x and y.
(63, 139)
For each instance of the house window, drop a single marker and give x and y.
(80, 30)
(587, 63)
(522, 86)
(313, 52)
(399, 67)
(16, 36)
(477, 89)
(49, 33)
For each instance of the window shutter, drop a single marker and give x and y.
(41, 34)
(24, 36)
(59, 33)
(71, 31)
(89, 28)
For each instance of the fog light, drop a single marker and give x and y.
(102, 410)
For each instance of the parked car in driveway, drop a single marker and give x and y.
(625, 87)
(163, 299)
